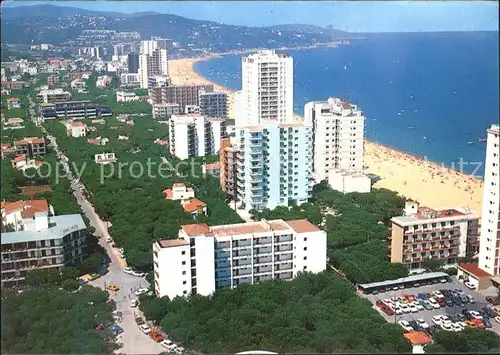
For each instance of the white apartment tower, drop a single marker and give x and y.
(274, 165)
(338, 133)
(153, 60)
(205, 258)
(489, 244)
(267, 89)
(194, 135)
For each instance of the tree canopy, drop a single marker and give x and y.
(478, 341)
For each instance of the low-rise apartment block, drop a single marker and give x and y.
(213, 104)
(39, 240)
(424, 233)
(13, 102)
(105, 158)
(52, 96)
(53, 79)
(74, 109)
(123, 96)
(165, 110)
(130, 80)
(179, 192)
(30, 146)
(205, 258)
(227, 161)
(195, 135)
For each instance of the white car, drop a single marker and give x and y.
(405, 308)
(121, 250)
(167, 343)
(437, 319)
(456, 327)
(141, 291)
(145, 329)
(434, 303)
(179, 350)
(387, 302)
(447, 327)
(134, 303)
(438, 294)
(445, 320)
(128, 270)
(405, 325)
(497, 319)
(140, 274)
(423, 324)
(469, 285)
(476, 314)
(413, 308)
(418, 305)
(109, 240)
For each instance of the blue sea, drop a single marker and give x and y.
(429, 94)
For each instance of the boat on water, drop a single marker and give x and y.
(470, 142)
(399, 113)
(345, 67)
(424, 137)
(481, 140)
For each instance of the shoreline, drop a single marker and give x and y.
(413, 177)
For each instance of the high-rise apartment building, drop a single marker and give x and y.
(338, 133)
(489, 251)
(195, 135)
(133, 62)
(274, 165)
(184, 95)
(227, 163)
(152, 60)
(213, 104)
(267, 89)
(424, 233)
(205, 258)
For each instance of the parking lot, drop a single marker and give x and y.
(427, 315)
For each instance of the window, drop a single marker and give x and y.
(184, 292)
(184, 282)
(183, 263)
(183, 252)
(305, 268)
(305, 257)
(305, 239)
(305, 248)
(183, 273)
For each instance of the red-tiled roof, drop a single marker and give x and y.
(10, 207)
(168, 193)
(94, 141)
(193, 205)
(11, 99)
(196, 229)
(34, 206)
(418, 338)
(18, 159)
(30, 140)
(214, 166)
(77, 124)
(474, 270)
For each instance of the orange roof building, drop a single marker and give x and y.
(418, 338)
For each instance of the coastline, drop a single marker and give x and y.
(427, 182)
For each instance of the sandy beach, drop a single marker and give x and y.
(412, 177)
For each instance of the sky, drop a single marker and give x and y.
(352, 16)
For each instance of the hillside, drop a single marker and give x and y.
(62, 25)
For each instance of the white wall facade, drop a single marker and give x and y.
(338, 133)
(232, 255)
(490, 222)
(347, 182)
(267, 88)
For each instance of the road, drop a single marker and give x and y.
(132, 339)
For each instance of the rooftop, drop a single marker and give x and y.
(418, 338)
(474, 270)
(495, 129)
(402, 280)
(77, 124)
(59, 227)
(213, 166)
(427, 214)
(193, 205)
(172, 243)
(302, 226)
(28, 208)
(30, 140)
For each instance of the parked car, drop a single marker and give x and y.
(427, 305)
(491, 313)
(487, 323)
(140, 274)
(167, 343)
(405, 325)
(447, 326)
(414, 324)
(469, 285)
(134, 303)
(493, 300)
(423, 324)
(128, 270)
(456, 327)
(434, 303)
(476, 315)
(471, 299)
(145, 329)
(438, 294)
(141, 291)
(497, 319)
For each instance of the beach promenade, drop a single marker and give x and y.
(429, 183)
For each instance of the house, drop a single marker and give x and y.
(103, 81)
(21, 162)
(6, 149)
(211, 169)
(76, 129)
(418, 341)
(98, 141)
(160, 142)
(77, 84)
(21, 213)
(99, 121)
(180, 192)
(123, 96)
(105, 158)
(122, 118)
(13, 102)
(195, 207)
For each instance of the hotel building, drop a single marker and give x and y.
(489, 251)
(38, 241)
(227, 161)
(273, 165)
(205, 258)
(195, 135)
(183, 95)
(267, 89)
(152, 60)
(74, 109)
(423, 233)
(338, 132)
(165, 110)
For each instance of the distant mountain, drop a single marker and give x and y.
(58, 25)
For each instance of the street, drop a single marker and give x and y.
(132, 339)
